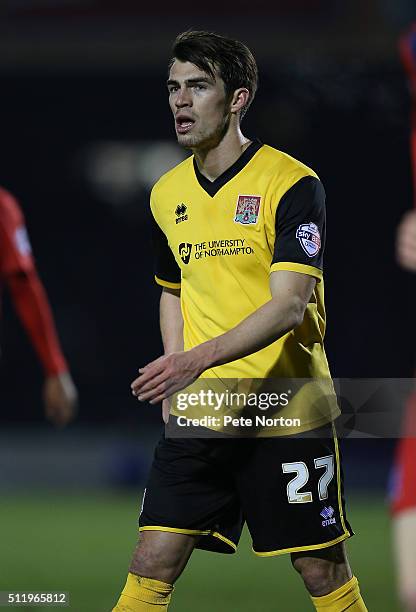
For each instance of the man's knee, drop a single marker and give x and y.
(162, 555)
(323, 571)
(317, 575)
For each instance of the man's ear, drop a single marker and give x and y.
(239, 100)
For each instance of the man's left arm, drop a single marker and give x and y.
(291, 292)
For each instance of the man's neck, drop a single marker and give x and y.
(213, 162)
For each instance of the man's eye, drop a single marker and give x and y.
(172, 88)
(199, 86)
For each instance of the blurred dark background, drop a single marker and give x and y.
(85, 130)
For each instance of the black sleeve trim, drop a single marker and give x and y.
(165, 266)
(300, 224)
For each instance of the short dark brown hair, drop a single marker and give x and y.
(212, 53)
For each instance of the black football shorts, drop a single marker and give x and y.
(289, 490)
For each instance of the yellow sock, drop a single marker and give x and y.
(144, 595)
(347, 597)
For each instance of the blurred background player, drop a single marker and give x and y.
(18, 272)
(404, 495)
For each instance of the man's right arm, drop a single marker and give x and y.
(168, 277)
(171, 328)
(171, 320)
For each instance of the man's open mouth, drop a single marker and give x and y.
(184, 124)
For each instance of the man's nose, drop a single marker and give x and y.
(183, 98)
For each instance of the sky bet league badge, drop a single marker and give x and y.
(309, 238)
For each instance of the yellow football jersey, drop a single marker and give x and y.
(219, 241)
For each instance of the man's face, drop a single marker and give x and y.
(199, 106)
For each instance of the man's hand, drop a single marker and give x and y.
(166, 375)
(406, 241)
(60, 398)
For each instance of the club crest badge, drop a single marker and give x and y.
(309, 238)
(247, 210)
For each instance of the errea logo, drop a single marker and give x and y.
(328, 516)
(180, 212)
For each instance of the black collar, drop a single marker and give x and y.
(212, 187)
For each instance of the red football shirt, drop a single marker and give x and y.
(404, 469)
(15, 250)
(403, 494)
(17, 270)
